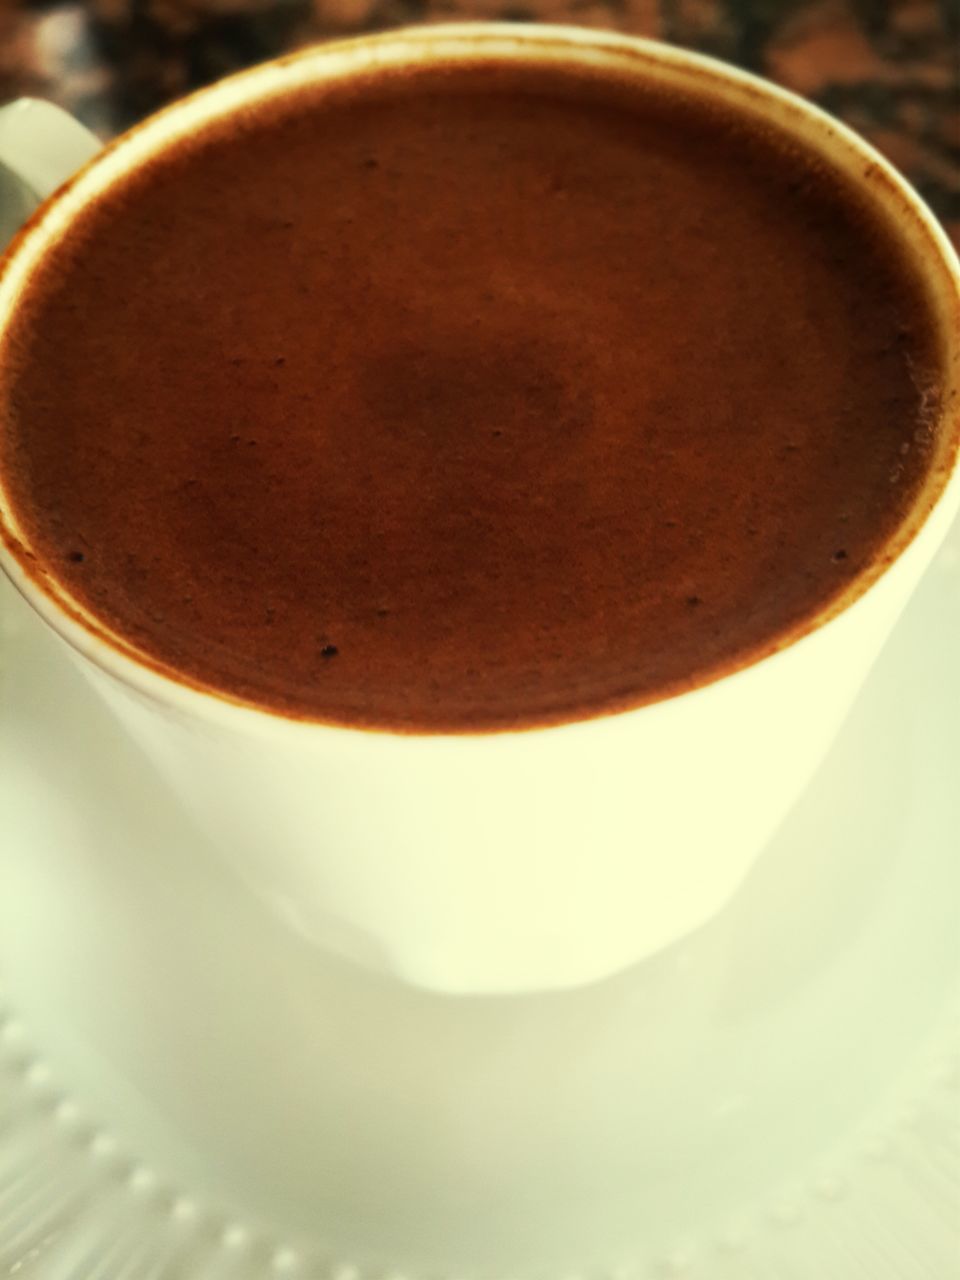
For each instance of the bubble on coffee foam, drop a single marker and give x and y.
(928, 411)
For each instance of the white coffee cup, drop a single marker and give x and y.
(511, 861)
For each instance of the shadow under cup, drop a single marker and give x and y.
(511, 861)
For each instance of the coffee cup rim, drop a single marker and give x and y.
(930, 250)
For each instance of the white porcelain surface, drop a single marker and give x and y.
(189, 1093)
(42, 144)
(505, 862)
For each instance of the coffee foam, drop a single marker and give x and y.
(464, 653)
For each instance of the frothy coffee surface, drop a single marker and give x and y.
(475, 397)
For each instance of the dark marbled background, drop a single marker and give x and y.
(890, 68)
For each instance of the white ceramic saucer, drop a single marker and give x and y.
(187, 1091)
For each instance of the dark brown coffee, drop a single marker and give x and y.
(477, 397)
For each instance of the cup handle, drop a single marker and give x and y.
(42, 145)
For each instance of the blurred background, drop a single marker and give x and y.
(890, 68)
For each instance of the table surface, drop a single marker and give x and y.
(889, 68)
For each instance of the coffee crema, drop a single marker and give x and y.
(478, 396)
